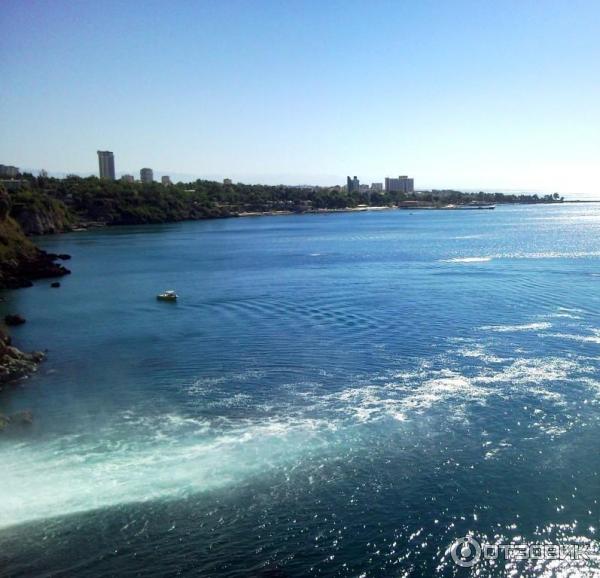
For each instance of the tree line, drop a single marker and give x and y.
(79, 199)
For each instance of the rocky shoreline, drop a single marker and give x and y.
(14, 365)
(21, 263)
(40, 265)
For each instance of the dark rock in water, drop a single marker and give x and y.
(42, 266)
(15, 364)
(12, 320)
(55, 284)
(38, 265)
(21, 417)
(37, 356)
(63, 256)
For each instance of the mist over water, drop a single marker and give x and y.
(335, 395)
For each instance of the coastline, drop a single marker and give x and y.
(312, 211)
(85, 226)
(363, 209)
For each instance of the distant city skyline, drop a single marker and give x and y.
(463, 94)
(290, 180)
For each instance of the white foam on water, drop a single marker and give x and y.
(172, 456)
(141, 458)
(532, 371)
(479, 352)
(467, 260)
(520, 255)
(446, 387)
(594, 338)
(406, 395)
(571, 309)
(205, 385)
(551, 255)
(539, 326)
(563, 315)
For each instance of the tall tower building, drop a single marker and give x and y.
(106, 163)
(352, 184)
(146, 176)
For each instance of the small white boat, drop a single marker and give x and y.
(167, 296)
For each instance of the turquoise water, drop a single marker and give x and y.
(332, 395)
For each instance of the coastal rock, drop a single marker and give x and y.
(13, 320)
(37, 356)
(14, 363)
(22, 271)
(22, 418)
(41, 266)
(55, 284)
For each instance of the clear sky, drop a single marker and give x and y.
(465, 94)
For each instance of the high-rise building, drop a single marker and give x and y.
(166, 180)
(106, 162)
(352, 184)
(8, 171)
(400, 185)
(128, 178)
(377, 187)
(146, 175)
(227, 182)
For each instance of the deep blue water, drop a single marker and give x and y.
(332, 395)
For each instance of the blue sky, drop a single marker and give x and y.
(463, 94)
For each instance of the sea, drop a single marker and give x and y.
(371, 394)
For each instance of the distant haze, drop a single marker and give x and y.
(461, 94)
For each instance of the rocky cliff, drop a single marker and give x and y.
(39, 214)
(21, 261)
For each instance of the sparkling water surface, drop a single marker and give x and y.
(332, 395)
